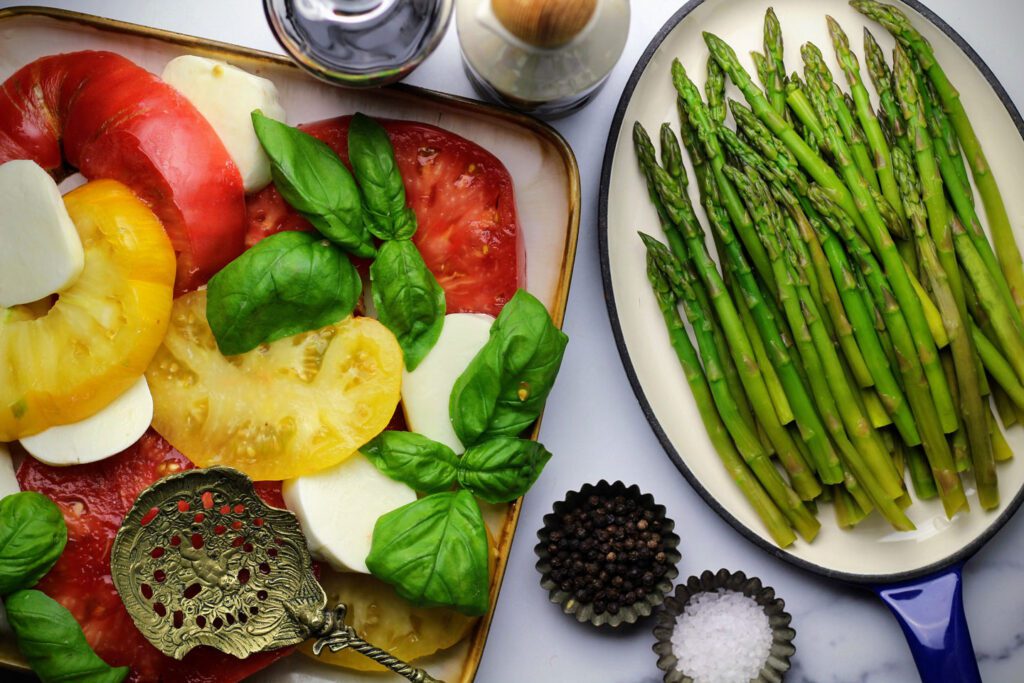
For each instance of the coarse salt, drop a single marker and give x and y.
(721, 637)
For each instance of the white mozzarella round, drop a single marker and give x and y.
(40, 251)
(226, 96)
(99, 436)
(427, 389)
(8, 482)
(338, 508)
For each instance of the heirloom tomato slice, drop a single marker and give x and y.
(282, 410)
(468, 230)
(381, 617)
(63, 364)
(108, 117)
(94, 499)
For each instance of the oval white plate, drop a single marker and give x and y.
(872, 552)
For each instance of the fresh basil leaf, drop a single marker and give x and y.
(434, 552)
(314, 181)
(501, 469)
(408, 299)
(32, 537)
(413, 459)
(53, 643)
(288, 283)
(503, 389)
(373, 162)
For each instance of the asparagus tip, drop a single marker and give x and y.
(650, 242)
(640, 133)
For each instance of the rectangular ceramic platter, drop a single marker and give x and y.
(541, 164)
(873, 548)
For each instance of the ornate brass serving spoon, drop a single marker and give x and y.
(200, 559)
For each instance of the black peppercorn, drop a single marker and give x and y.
(608, 552)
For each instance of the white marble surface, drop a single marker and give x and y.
(595, 428)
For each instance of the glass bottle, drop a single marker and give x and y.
(358, 43)
(543, 57)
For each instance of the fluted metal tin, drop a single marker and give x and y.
(778, 662)
(584, 611)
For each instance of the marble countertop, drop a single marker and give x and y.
(596, 430)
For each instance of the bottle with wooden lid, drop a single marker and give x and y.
(543, 57)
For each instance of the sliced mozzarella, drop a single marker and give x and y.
(102, 435)
(41, 252)
(426, 390)
(72, 182)
(338, 508)
(226, 96)
(8, 482)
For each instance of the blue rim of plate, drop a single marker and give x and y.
(958, 557)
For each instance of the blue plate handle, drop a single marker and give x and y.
(931, 613)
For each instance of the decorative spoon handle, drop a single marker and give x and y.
(336, 635)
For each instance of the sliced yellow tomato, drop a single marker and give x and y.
(387, 621)
(384, 619)
(282, 410)
(64, 364)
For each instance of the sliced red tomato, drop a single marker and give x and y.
(110, 118)
(267, 213)
(94, 499)
(464, 202)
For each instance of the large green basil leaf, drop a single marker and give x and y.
(408, 299)
(53, 643)
(434, 552)
(288, 283)
(413, 459)
(373, 162)
(314, 181)
(501, 469)
(32, 537)
(503, 389)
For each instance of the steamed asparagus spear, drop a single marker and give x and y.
(701, 120)
(774, 84)
(684, 282)
(714, 90)
(911, 367)
(673, 163)
(999, 221)
(763, 134)
(777, 525)
(833, 383)
(813, 432)
(931, 182)
(840, 328)
(881, 77)
(872, 129)
(972, 409)
(817, 73)
(801, 477)
(778, 125)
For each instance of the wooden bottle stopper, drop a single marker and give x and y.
(544, 23)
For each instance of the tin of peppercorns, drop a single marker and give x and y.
(780, 650)
(607, 554)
